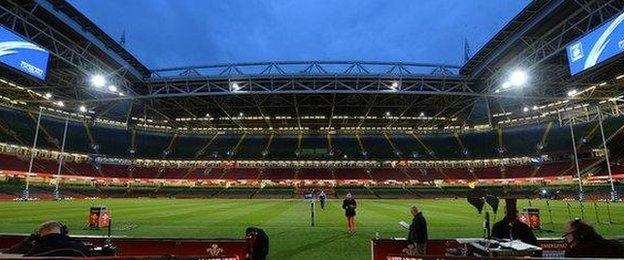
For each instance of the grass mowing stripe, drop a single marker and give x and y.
(286, 221)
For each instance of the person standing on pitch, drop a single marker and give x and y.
(322, 197)
(418, 231)
(349, 205)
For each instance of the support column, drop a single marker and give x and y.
(578, 170)
(26, 191)
(56, 193)
(606, 151)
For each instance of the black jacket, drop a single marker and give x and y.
(260, 248)
(349, 206)
(57, 245)
(418, 230)
(514, 227)
(597, 248)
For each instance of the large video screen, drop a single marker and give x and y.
(23, 55)
(603, 43)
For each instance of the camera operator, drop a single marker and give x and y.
(50, 239)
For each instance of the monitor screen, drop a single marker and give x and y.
(599, 45)
(22, 55)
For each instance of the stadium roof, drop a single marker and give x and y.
(319, 94)
(84, 23)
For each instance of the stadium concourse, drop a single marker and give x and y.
(83, 122)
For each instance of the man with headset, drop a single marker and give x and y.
(50, 239)
(510, 227)
(582, 240)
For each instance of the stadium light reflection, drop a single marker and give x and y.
(394, 85)
(518, 78)
(98, 80)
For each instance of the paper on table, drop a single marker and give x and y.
(519, 245)
(404, 224)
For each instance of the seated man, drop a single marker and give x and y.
(512, 228)
(260, 247)
(51, 239)
(582, 241)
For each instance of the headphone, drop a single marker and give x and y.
(581, 230)
(64, 229)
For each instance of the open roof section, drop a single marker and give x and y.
(106, 43)
(538, 34)
(43, 20)
(532, 15)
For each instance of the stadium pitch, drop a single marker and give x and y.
(287, 222)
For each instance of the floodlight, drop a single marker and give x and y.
(572, 93)
(535, 107)
(98, 81)
(47, 95)
(235, 86)
(388, 113)
(59, 103)
(395, 84)
(422, 114)
(506, 85)
(525, 109)
(518, 78)
(82, 109)
(240, 114)
(112, 88)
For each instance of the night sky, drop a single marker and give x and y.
(199, 32)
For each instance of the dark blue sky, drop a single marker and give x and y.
(171, 33)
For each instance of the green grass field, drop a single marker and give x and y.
(286, 221)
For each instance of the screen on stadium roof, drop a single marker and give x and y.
(23, 55)
(597, 46)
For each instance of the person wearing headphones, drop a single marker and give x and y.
(583, 241)
(50, 239)
(510, 227)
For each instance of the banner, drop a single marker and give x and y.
(23, 55)
(599, 45)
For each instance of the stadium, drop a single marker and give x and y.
(182, 160)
